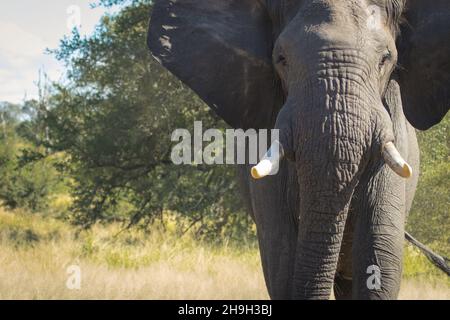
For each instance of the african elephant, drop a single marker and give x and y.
(345, 82)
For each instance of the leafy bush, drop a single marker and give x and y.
(429, 220)
(26, 182)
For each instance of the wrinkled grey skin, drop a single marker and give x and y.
(337, 89)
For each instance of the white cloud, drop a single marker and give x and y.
(21, 57)
(15, 40)
(27, 28)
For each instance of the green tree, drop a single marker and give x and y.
(114, 118)
(429, 220)
(27, 178)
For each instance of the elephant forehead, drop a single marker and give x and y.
(283, 11)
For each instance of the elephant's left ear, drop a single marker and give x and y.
(424, 62)
(222, 50)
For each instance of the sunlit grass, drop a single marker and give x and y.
(35, 253)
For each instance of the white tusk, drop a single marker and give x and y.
(269, 164)
(395, 161)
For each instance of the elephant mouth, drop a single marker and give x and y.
(273, 157)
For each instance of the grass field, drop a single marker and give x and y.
(35, 254)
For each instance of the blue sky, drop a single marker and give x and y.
(27, 28)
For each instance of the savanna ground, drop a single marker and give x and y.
(35, 254)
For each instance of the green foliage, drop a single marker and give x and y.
(20, 228)
(417, 266)
(28, 179)
(114, 119)
(429, 220)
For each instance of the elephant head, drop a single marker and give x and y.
(318, 70)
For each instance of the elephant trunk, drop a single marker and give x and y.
(341, 128)
(328, 167)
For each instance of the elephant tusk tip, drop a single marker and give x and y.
(262, 169)
(395, 161)
(269, 164)
(407, 171)
(255, 173)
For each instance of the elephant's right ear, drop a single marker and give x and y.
(222, 50)
(424, 59)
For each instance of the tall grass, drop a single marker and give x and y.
(35, 253)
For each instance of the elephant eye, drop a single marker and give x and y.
(386, 57)
(281, 60)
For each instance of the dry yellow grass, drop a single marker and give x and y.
(27, 275)
(34, 261)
